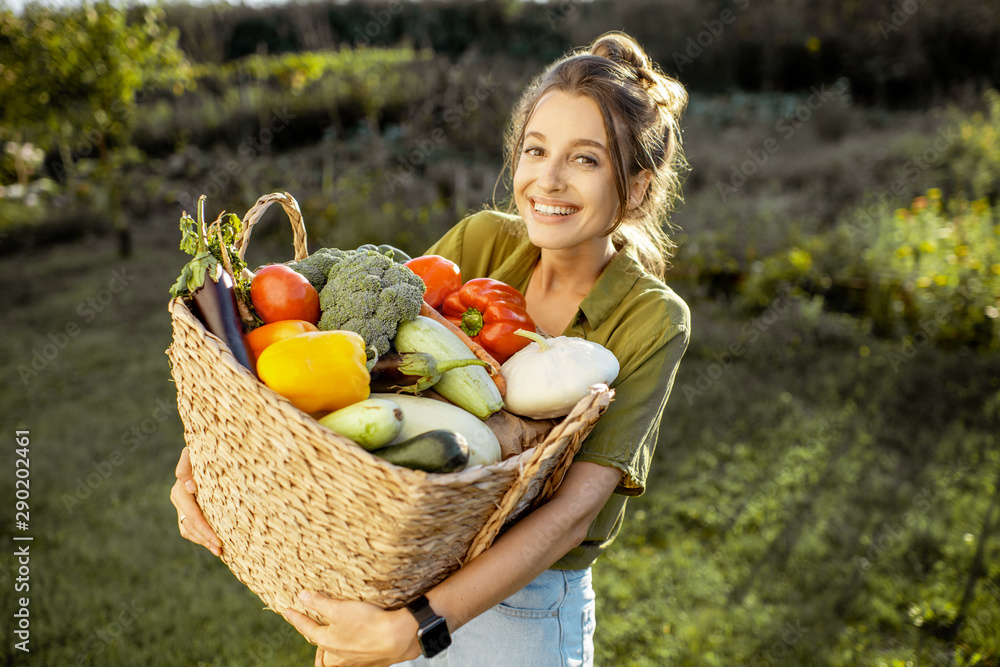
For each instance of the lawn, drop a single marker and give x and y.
(823, 500)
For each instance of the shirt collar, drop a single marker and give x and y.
(612, 287)
(610, 290)
(516, 269)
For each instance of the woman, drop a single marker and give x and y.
(594, 151)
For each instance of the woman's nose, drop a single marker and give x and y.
(552, 177)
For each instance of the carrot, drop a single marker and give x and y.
(427, 311)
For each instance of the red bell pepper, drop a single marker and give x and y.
(489, 312)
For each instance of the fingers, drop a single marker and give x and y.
(307, 627)
(324, 659)
(191, 521)
(183, 472)
(359, 633)
(323, 605)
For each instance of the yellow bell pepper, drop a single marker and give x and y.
(319, 371)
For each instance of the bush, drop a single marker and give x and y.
(929, 271)
(974, 160)
(286, 99)
(934, 270)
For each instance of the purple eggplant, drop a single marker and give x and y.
(217, 310)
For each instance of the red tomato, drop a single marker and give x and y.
(279, 293)
(261, 337)
(441, 276)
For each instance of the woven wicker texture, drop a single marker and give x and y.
(299, 507)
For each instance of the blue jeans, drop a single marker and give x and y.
(549, 623)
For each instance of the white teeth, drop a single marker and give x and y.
(553, 210)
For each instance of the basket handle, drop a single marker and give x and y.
(598, 399)
(291, 207)
(506, 505)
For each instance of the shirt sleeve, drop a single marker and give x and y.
(450, 245)
(478, 244)
(625, 436)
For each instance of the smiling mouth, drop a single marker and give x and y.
(555, 210)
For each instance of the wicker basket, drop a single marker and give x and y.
(299, 507)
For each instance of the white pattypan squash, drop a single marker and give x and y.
(549, 376)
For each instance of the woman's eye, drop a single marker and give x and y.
(533, 152)
(587, 160)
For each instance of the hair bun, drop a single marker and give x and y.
(622, 49)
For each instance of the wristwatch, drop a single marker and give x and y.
(432, 632)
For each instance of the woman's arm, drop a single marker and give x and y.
(529, 548)
(363, 634)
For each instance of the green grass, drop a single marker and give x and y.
(814, 505)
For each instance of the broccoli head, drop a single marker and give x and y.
(316, 266)
(368, 293)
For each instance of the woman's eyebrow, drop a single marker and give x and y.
(535, 134)
(590, 142)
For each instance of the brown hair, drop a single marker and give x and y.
(642, 108)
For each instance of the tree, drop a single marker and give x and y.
(70, 79)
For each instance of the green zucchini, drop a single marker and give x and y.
(469, 387)
(422, 414)
(440, 450)
(371, 423)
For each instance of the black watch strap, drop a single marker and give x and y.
(432, 630)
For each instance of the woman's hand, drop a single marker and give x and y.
(190, 520)
(359, 634)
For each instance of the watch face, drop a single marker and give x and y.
(434, 638)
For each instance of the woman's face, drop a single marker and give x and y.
(564, 185)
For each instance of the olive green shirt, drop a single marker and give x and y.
(636, 316)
